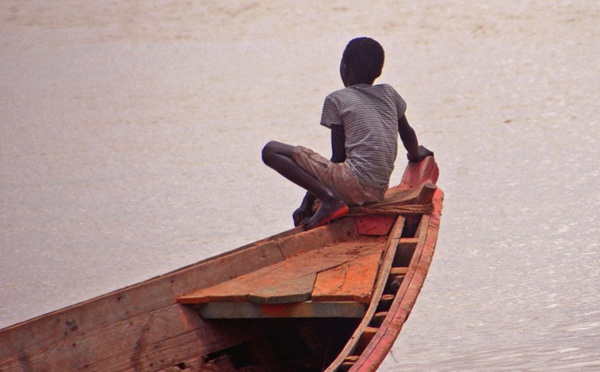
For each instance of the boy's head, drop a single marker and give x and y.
(364, 56)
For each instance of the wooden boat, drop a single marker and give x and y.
(333, 298)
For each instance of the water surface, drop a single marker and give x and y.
(131, 134)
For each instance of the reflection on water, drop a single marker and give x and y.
(131, 134)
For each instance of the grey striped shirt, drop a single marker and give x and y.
(369, 114)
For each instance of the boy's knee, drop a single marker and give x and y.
(274, 149)
(268, 151)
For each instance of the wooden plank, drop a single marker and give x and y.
(309, 309)
(152, 341)
(323, 236)
(289, 291)
(375, 224)
(352, 281)
(273, 279)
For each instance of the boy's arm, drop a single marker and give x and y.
(411, 143)
(338, 144)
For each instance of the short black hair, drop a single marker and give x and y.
(365, 56)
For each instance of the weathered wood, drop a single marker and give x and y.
(128, 304)
(378, 318)
(417, 174)
(352, 281)
(392, 244)
(163, 337)
(385, 301)
(221, 363)
(426, 193)
(349, 362)
(365, 338)
(308, 309)
(316, 238)
(268, 285)
(395, 279)
(398, 270)
(375, 224)
(402, 305)
(289, 291)
(131, 302)
(405, 251)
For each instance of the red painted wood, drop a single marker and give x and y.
(288, 281)
(378, 348)
(376, 224)
(417, 174)
(352, 281)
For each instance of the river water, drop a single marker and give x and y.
(130, 138)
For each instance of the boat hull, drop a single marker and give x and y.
(148, 327)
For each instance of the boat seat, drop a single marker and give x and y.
(334, 281)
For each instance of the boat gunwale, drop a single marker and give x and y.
(407, 294)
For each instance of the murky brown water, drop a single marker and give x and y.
(130, 139)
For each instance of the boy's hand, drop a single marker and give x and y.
(422, 154)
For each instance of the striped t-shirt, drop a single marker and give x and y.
(369, 114)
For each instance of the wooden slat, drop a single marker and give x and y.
(309, 309)
(352, 281)
(297, 289)
(268, 284)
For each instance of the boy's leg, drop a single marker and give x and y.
(278, 156)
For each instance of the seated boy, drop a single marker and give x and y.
(364, 120)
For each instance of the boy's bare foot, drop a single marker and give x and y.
(326, 213)
(300, 215)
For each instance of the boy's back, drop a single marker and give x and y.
(369, 115)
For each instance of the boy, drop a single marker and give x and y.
(364, 120)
